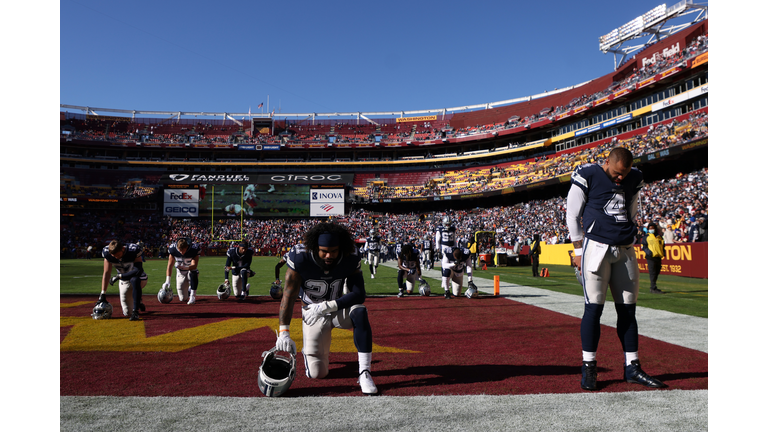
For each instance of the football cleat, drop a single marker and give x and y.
(191, 299)
(276, 291)
(134, 316)
(102, 310)
(448, 295)
(589, 375)
(366, 383)
(276, 372)
(634, 374)
(165, 295)
(223, 291)
(400, 294)
(247, 290)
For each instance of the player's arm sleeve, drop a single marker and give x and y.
(634, 206)
(106, 275)
(356, 294)
(575, 203)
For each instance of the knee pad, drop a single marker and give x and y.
(314, 366)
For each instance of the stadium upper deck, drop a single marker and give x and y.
(665, 82)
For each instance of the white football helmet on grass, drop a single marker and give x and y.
(276, 372)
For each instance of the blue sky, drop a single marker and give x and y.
(338, 56)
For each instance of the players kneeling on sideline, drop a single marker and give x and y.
(409, 269)
(239, 260)
(126, 258)
(184, 256)
(317, 271)
(454, 263)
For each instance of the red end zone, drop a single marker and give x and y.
(423, 346)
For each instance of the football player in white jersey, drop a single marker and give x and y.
(184, 257)
(127, 260)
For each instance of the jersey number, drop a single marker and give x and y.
(616, 207)
(317, 290)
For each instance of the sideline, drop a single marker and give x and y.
(678, 329)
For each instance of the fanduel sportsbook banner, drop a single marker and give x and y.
(181, 202)
(254, 178)
(326, 202)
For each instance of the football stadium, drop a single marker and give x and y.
(421, 268)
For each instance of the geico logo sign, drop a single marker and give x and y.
(314, 178)
(180, 209)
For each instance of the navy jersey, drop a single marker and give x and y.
(608, 216)
(320, 285)
(125, 263)
(186, 258)
(412, 263)
(427, 245)
(457, 265)
(446, 236)
(373, 243)
(234, 259)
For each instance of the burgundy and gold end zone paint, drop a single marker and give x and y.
(422, 346)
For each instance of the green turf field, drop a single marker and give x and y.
(684, 295)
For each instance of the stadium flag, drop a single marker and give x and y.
(260, 105)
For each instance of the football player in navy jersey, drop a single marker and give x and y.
(317, 271)
(185, 257)
(239, 260)
(426, 253)
(127, 260)
(373, 246)
(454, 264)
(601, 210)
(409, 269)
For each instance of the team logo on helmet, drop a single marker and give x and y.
(276, 291)
(102, 310)
(164, 295)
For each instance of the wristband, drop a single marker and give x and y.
(284, 328)
(168, 279)
(577, 252)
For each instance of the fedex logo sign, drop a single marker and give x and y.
(181, 196)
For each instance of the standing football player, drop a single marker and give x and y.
(408, 269)
(445, 236)
(317, 271)
(373, 247)
(184, 256)
(426, 253)
(127, 260)
(239, 260)
(601, 210)
(454, 263)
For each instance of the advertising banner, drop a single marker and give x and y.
(682, 259)
(181, 202)
(326, 202)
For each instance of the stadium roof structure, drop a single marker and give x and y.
(652, 24)
(366, 116)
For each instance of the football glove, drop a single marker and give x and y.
(285, 343)
(114, 279)
(166, 285)
(102, 297)
(314, 312)
(412, 271)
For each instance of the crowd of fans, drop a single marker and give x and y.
(679, 203)
(486, 179)
(347, 132)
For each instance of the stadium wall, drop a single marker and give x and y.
(682, 259)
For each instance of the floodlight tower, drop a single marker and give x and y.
(652, 24)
